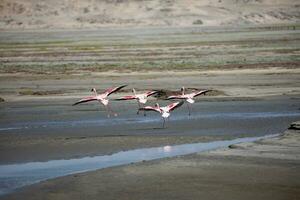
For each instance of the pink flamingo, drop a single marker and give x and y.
(188, 97)
(164, 111)
(141, 98)
(102, 98)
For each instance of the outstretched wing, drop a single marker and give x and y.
(175, 105)
(129, 97)
(175, 97)
(150, 93)
(150, 108)
(84, 100)
(201, 92)
(112, 90)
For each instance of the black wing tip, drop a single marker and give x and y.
(153, 92)
(122, 86)
(206, 91)
(119, 99)
(180, 103)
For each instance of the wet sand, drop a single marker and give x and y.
(266, 169)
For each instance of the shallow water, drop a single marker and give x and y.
(254, 118)
(14, 176)
(146, 120)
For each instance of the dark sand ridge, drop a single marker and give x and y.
(266, 169)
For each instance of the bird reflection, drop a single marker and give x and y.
(167, 148)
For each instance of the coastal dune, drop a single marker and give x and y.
(24, 14)
(265, 169)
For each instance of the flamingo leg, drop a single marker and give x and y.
(144, 113)
(164, 122)
(188, 105)
(138, 112)
(111, 111)
(107, 111)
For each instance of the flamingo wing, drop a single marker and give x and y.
(175, 97)
(112, 90)
(175, 105)
(84, 100)
(129, 97)
(150, 108)
(150, 93)
(201, 92)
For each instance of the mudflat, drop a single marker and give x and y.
(266, 169)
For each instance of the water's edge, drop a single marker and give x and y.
(14, 176)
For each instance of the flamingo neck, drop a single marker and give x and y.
(133, 90)
(95, 92)
(157, 106)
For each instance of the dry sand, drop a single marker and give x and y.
(24, 14)
(266, 169)
(233, 83)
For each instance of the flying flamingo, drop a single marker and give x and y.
(188, 97)
(164, 111)
(141, 98)
(102, 98)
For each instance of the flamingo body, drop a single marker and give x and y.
(188, 97)
(140, 98)
(190, 100)
(102, 98)
(164, 111)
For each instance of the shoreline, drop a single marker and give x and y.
(268, 165)
(253, 83)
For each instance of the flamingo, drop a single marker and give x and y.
(102, 98)
(141, 98)
(164, 111)
(188, 97)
